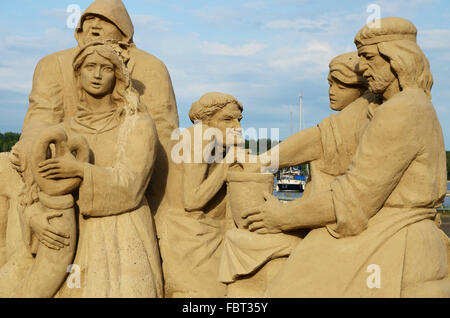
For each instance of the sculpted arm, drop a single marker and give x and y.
(391, 139)
(159, 98)
(199, 186)
(300, 148)
(45, 109)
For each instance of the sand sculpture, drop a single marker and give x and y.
(191, 268)
(251, 261)
(95, 165)
(373, 215)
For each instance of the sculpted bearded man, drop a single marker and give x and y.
(377, 218)
(54, 98)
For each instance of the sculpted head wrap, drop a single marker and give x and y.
(390, 29)
(345, 68)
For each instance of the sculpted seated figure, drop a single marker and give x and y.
(191, 255)
(376, 212)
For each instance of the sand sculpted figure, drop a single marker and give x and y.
(117, 250)
(54, 97)
(195, 235)
(109, 234)
(376, 212)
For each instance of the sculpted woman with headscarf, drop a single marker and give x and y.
(117, 250)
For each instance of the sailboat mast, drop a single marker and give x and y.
(302, 119)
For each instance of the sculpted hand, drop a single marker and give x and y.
(61, 168)
(17, 159)
(267, 218)
(46, 233)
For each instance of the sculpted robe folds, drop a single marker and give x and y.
(384, 202)
(117, 247)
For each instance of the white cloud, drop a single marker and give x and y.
(19, 56)
(249, 49)
(434, 39)
(151, 22)
(315, 56)
(298, 24)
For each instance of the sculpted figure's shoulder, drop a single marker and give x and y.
(149, 61)
(52, 59)
(409, 104)
(403, 115)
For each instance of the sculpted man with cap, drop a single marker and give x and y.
(374, 233)
(54, 97)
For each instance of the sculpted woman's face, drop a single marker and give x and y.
(97, 76)
(342, 95)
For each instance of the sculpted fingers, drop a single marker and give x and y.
(54, 215)
(15, 162)
(255, 226)
(56, 232)
(52, 174)
(56, 240)
(48, 162)
(262, 231)
(252, 219)
(251, 211)
(48, 242)
(47, 167)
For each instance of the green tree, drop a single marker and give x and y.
(270, 144)
(8, 140)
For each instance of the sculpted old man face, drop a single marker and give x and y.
(97, 28)
(375, 68)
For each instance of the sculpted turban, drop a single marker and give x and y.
(345, 68)
(390, 29)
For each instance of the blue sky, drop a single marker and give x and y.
(262, 52)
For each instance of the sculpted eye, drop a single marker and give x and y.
(108, 69)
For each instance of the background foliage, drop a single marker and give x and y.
(8, 140)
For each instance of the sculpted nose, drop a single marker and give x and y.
(98, 73)
(362, 65)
